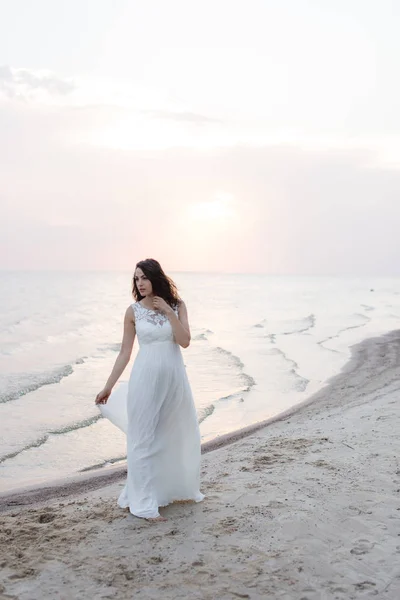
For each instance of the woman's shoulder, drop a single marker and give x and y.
(132, 310)
(180, 304)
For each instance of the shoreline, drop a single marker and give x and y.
(81, 483)
(305, 507)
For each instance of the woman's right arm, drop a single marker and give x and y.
(122, 358)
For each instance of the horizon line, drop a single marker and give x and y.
(202, 272)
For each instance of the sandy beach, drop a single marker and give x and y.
(306, 507)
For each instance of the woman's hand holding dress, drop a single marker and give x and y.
(103, 396)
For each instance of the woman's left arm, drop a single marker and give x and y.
(179, 324)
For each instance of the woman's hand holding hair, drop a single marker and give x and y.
(161, 305)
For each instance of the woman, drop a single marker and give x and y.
(156, 408)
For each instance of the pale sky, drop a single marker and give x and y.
(221, 135)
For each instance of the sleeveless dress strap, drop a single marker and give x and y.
(133, 305)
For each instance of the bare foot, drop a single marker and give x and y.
(160, 518)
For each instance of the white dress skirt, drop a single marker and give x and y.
(157, 413)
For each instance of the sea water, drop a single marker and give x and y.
(260, 344)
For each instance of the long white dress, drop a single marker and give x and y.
(156, 411)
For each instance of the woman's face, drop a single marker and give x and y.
(143, 284)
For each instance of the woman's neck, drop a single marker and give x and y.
(147, 301)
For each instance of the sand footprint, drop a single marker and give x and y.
(227, 525)
(362, 547)
(46, 517)
(324, 464)
(365, 585)
(260, 510)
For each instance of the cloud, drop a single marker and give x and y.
(65, 204)
(296, 212)
(25, 84)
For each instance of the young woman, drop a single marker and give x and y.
(156, 409)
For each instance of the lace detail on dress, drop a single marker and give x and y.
(149, 315)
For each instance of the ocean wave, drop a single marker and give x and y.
(39, 442)
(104, 463)
(361, 316)
(113, 347)
(350, 327)
(206, 412)
(322, 342)
(203, 335)
(248, 380)
(271, 337)
(34, 381)
(300, 382)
(367, 307)
(243, 382)
(261, 324)
(43, 439)
(297, 326)
(232, 357)
(200, 337)
(304, 324)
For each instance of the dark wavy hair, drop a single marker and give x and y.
(163, 286)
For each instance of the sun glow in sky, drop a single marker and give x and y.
(218, 209)
(226, 136)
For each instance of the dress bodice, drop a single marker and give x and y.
(151, 325)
